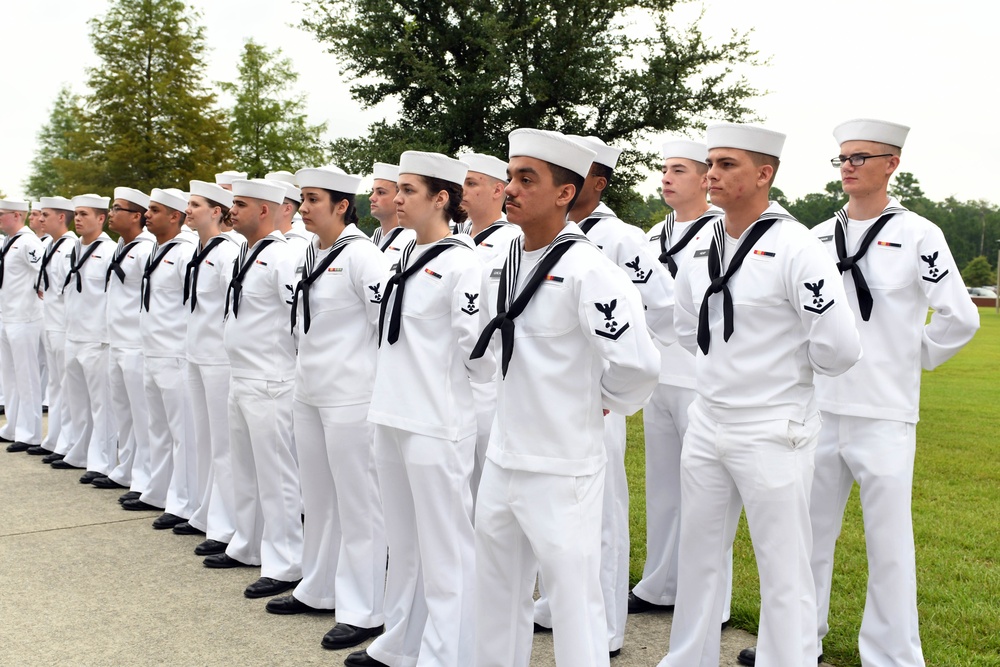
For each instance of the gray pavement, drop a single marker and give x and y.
(87, 583)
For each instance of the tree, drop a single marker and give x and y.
(906, 188)
(814, 208)
(150, 121)
(468, 72)
(269, 130)
(978, 272)
(56, 146)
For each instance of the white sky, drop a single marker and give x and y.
(927, 65)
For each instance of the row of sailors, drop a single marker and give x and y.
(250, 380)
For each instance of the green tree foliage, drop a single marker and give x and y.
(57, 142)
(978, 272)
(268, 128)
(815, 207)
(468, 72)
(150, 121)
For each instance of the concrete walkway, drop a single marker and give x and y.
(87, 583)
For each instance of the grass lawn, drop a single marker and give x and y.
(956, 517)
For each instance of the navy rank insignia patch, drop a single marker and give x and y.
(813, 300)
(376, 294)
(934, 273)
(612, 330)
(471, 308)
(641, 275)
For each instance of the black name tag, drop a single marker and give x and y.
(701, 253)
(496, 274)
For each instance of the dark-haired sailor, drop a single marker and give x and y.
(390, 236)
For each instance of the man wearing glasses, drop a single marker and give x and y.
(894, 264)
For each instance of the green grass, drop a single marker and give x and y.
(956, 520)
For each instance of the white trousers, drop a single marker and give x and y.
(57, 436)
(534, 522)
(343, 553)
(484, 397)
(265, 479)
(128, 406)
(209, 386)
(173, 466)
(429, 596)
(614, 540)
(43, 367)
(19, 343)
(769, 464)
(93, 440)
(878, 454)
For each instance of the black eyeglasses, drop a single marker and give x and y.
(118, 209)
(855, 160)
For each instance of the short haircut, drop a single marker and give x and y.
(760, 159)
(602, 171)
(563, 176)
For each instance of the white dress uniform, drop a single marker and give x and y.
(781, 318)
(665, 420)
(51, 276)
(425, 438)
(21, 308)
(163, 325)
(870, 415)
(205, 287)
(578, 347)
(344, 550)
(43, 363)
(625, 245)
(492, 242)
(261, 353)
(392, 243)
(94, 439)
(123, 284)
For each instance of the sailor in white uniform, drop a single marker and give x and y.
(261, 353)
(57, 213)
(20, 336)
(206, 282)
(163, 325)
(123, 285)
(225, 179)
(335, 313)
(298, 238)
(37, 225)
(895, 265)
(761, 305)
(425, 424)
(390, 237)
(94, 437)
(483, 198)
(685, 189)
(573, 345)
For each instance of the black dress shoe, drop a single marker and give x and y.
(167, 520)
(210, 548)
(347, 636)
(614, 654)
(289, 604)
(61, 464)
(748, 657)
(223, 561)
(19, 447)
(129, 495)
(186, 528)
(52, 458)
(362, 659)
(38, 450)
(3, 439)
(107, 483)
(541, 628)
(90, 476)
(636, 605)
(266, 587)
(139, 506)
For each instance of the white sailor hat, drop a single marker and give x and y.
(869, 129)
(13, 205)
(745, 137)
(91, 201)
(170, 197)
(606, 155)
(685, 148)
(434, 165)
(58, 203)
(287, 179)
(258, 188)
(132, 195)
(227, 177)
(553, 147)
(385, 172)
(485, 164)
(212, 192)
(326, 178)
(36, 206)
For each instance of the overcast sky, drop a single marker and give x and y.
(923, 64)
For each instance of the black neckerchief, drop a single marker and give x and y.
(42, 282)
(845, 263)
(76, 267)
(312, 274)
(121, 252)
(589, 223)
(240, 269)
(486, 233)
(389, 238)
(152, 262)
(667, 254)
(3, 254)
(194, 267)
